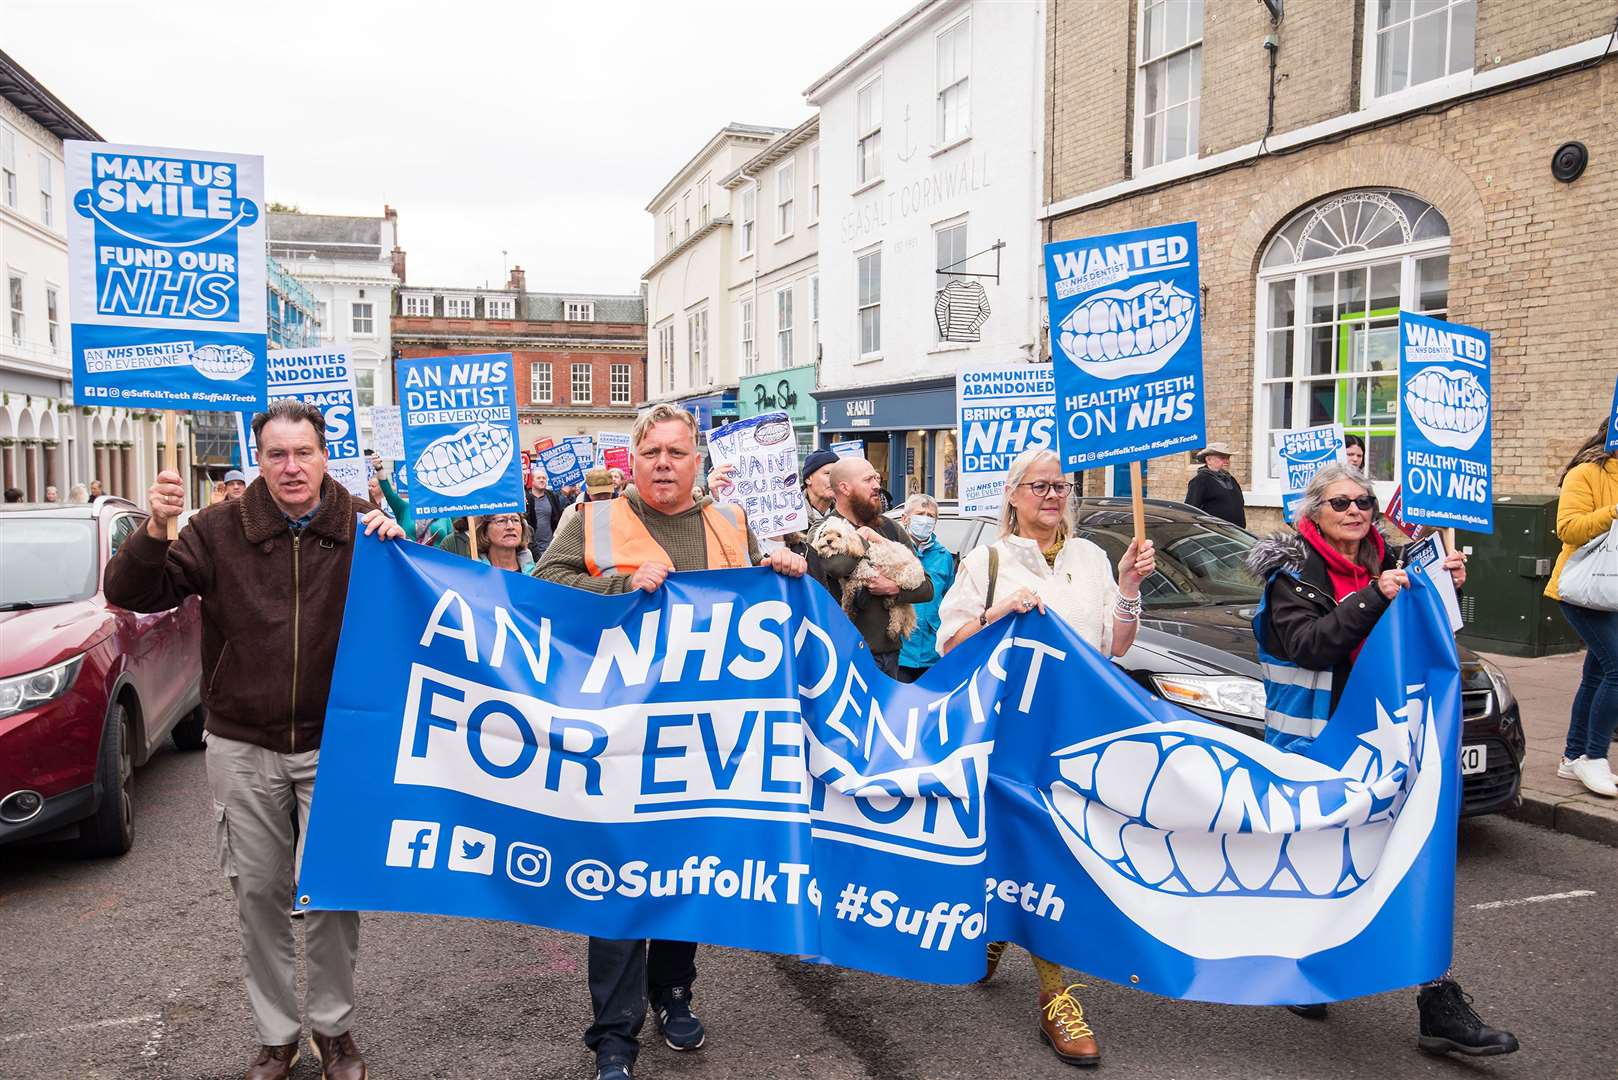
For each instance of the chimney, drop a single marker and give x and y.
(399, 263)
(519, 280)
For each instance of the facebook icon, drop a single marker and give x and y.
(413, 844)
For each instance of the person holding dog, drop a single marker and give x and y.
(857, 499)
(1040, 562)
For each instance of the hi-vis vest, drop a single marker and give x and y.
(616, 540)
(1297, 701)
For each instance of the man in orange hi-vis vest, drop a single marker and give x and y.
(634, 542)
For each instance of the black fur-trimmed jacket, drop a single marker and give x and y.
(1302, 621)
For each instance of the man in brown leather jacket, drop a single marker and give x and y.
(272, 571)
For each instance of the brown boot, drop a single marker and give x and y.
(274, 1062)
(339, 1058)
(1062, 1025)
(996, 950)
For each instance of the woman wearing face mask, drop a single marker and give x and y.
(920, 650)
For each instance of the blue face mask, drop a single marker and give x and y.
(921, 527)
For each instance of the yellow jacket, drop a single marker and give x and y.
(1585, 510)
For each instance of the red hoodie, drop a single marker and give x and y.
(1347, 577)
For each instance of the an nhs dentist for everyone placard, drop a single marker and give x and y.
(460, 433)
(167, 267)
(1445, 424)
(1126, 339)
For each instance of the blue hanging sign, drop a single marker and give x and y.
(460, 431)
(1445, 447)
(1126, 339)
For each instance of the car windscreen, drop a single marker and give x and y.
(46, 561)
(954, 532)
(1198, 562)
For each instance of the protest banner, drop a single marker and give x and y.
(460, 431)
(166, 271)
(1126, 339)
(325, 379)
(387, 433)
(610, 440)
(721, 761)
(848, 448)
(1303, 453)
(562, 466)
(543, 444)
(1612, 423)
(764, 452)
(1001, 412)
(1427, 557)
(617, 457)
(583, 448)
(1445, 447)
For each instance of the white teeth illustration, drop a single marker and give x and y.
(222, 363)
(1449, 406)
(472, 458)
(1220, 845)
(1132, 331)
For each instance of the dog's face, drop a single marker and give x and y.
(838, 537)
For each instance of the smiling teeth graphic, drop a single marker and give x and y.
(1449, 406)
(473, 457)
(1122, 332)
(1219, 845)
(222, 363)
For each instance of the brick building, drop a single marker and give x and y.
(580, 359)
(1380, 156)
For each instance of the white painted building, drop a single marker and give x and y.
(930, 151)
(352, 265)
(46, 440)
(697, 224)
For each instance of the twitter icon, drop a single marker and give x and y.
(471, 851)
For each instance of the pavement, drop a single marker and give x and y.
(129, 968)
(1544, 686)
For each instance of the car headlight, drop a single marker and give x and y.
(1502, 689)
(37, 687)
(1217, 693)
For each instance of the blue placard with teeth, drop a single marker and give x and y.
(1612, 423)
(459, 415)
(1126, 339)
(1446, 467)
(722, 761)
(167, 268)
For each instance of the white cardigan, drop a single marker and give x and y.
(1080, 588)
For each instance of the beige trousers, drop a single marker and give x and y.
(255, 793)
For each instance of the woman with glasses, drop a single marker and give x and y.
(1325, 589)
(1039, 562)
(503, 543)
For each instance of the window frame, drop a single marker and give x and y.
(53, 316)
(747, 333)
(575, 369)
(785, 323)
(453, 302)
(8, 166)
(1142, 63)
(685, 214)
(697, 350)
(419, 300)
(704, 201)
(747, 215)
(862, 135)
(665, 354)
(364, 386)
(47, 189)
(354, 307)
(17, 321)
(786, 199)
(1371, 55)
(508, 307)
(578, 311)
(534, 395)
(814, 185)
(628, 396)
(963, 83)
(670, 241)
(814, 317)
(860, 306)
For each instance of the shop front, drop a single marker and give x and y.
(790, 390)
(908, 431)
(711, 410)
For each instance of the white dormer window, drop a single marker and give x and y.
(458, 307)
(498, 307)
(416, 306)
(579, 311)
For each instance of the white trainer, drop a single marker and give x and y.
(1596, 776)
(1564, 769)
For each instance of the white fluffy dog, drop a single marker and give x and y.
(878, 557)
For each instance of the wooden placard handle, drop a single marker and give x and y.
(1138, 502)
(171, 463)
(472, 536)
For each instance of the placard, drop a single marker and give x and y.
(1445, 446)
(1126, 338)
(618, 457)
(460, 434)
(848, 448)
(1427, 557)
(1612, 423)
(563, 466)
(166, 267)
(1001, 413)
(764, 451)
(1303, 453)
(323, 378)
(387, 433)
(610, 440)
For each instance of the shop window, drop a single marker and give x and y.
(1330, 288)
(1411, 42)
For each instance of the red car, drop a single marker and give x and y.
(87, 690)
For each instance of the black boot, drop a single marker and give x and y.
(1448, 1023)
(1308, 1012)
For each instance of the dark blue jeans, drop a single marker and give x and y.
(1595, 706)
(622, 975)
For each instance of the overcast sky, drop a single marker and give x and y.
(539, 128)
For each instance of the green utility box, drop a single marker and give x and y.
(1504, 603)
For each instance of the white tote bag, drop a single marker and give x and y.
(1590, 575)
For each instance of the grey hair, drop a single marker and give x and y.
(293, 411)
(1314, 497)
(659, 414)
(918, 500)
(1019, 468)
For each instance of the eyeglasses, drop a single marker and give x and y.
(1042, 488)
(506, 519)
(1341, 503)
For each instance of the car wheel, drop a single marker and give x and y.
(111, 829)
(187, 734)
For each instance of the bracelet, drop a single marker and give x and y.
(1128, 605)
(1118, 616)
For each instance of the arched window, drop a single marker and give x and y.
(1330, 288)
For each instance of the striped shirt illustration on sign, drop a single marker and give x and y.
(962, 308)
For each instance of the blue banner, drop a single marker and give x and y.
(1303, 453)
(721, 761)
(1446, 465)
(1126, 338)
(167, 266)
(1612, 423)
(563, 466)
(459, 415)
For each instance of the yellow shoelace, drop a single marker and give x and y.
(1065, 1011)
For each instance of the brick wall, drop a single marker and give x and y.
(1511, 30)
(1090, 60)
(562, 362)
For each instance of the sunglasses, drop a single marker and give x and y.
(1042, 488)
(1342, 503)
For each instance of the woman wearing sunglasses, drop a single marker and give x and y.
(1038, 562)
(503, 543)
(1326, 587)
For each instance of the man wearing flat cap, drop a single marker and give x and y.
(1213, 490)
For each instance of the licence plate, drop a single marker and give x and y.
(1474, 759)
